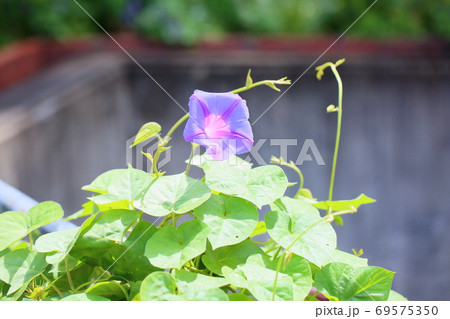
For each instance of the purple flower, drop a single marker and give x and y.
(219, 121)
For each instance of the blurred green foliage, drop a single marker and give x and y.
(56, 18)
(187, 21)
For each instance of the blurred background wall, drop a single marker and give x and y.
(71, 100)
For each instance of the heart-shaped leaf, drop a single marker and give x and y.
(354, 284)
(230, 256)
(19, 267)
(297, 226)
(148, 130)
(186, 281)
(44, 213)
(108, 228)
(185, 286)
(110, 289)
(58, 244)
(172, 247)
(176, 193)
(16, 225)
(158, 286)
(13, 227)
(262, 185)
(300, 271)
(101, 183)
(130, 185)
(231, 220)
(259, 280)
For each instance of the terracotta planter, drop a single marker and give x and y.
(26, 58)
(23, 59)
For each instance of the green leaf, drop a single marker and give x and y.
(139, 236)
(124, 259)
(297, 226)
(259, 280)
(186, 281)
(182, 286)
(44, 213)
(89, 208)
(58, 244)
(262, 185)
(148, 130)
(106, 202)
(395, 296)
(300, 272)
(231, 220)
(110, 289)
(340, 205)
(163, 286)
(19, 267)
(258, 275)
(135, 290)
(108, 228)
(260, 229)
(15, 296)
(130, 185)
(239, 297)
(102, 182)
(213, 294)
(13, 227)
(80, 274)
(230, 256)
(16, 225)
(354, 284)
(172, 247)
(158, 286)
(349, 259)
(176, 193)
(84, 297)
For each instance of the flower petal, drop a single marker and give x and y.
(219, 121)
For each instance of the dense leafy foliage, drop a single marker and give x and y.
(186, 22)
(202, 243)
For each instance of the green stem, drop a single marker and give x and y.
(69, 277)
(155, 162)
(174, 222)
(177, 124)
(197, 261)
(280, 262)
(276, 253)
(165, 140)
(272, 248)
(338, 131)
(302, 179)
(166, 218)
(30, 236)
(251, 86)
(188, 167)
(53, 285)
